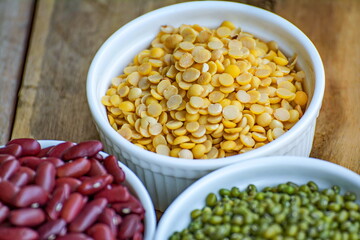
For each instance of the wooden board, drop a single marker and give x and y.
(66, 35)
(333, 28)
(15, 26)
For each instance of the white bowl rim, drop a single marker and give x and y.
(311, 112)
(257, 163)
(132, 180)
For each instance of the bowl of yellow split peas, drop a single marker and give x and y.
(192, 87)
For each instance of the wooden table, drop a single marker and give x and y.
(46, 47)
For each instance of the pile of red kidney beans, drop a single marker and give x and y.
(65, 192)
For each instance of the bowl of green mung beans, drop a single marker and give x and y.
(280, 197)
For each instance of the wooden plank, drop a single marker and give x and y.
(333, 28)
(15, 23)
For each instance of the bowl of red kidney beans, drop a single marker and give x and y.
(63, 190)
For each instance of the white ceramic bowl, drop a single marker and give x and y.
(262, 172)
(166, 177)
(135, 186)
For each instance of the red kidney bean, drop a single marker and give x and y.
(83, 178)
(98, 157)
(58, 150)
(28, 171)
(56, 203)
(85, 200)
(74, 236)
(4, 212)
(6, 157)
(117, 193)
(8, 192)
(111, 219)
(29, 146)
(45, 176)
(52, 227)
(27, 217)
(138, 236)
(96, 169)
(83, 149)
(20, 179)
(88, 215)
(30, 194)
(18, 233)
(94, 184)
(72, 182)
(76, 168)
(30, 161)
(100, 231)
(133, 205)
(140, 227)
(12, 149)
(63, 231)
(72, 207)
(112, 166)
(129, 226)
(57, 162)
(8, 168)
(43, 152)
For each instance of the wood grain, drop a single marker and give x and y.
(333, 28)
(15, 25)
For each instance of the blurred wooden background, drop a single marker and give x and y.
(46, 47)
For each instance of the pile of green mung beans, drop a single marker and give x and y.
(284, 212)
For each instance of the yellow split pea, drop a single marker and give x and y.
(200, 93)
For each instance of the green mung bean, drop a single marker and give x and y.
(284, 212)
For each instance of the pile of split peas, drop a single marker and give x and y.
(206, 93)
